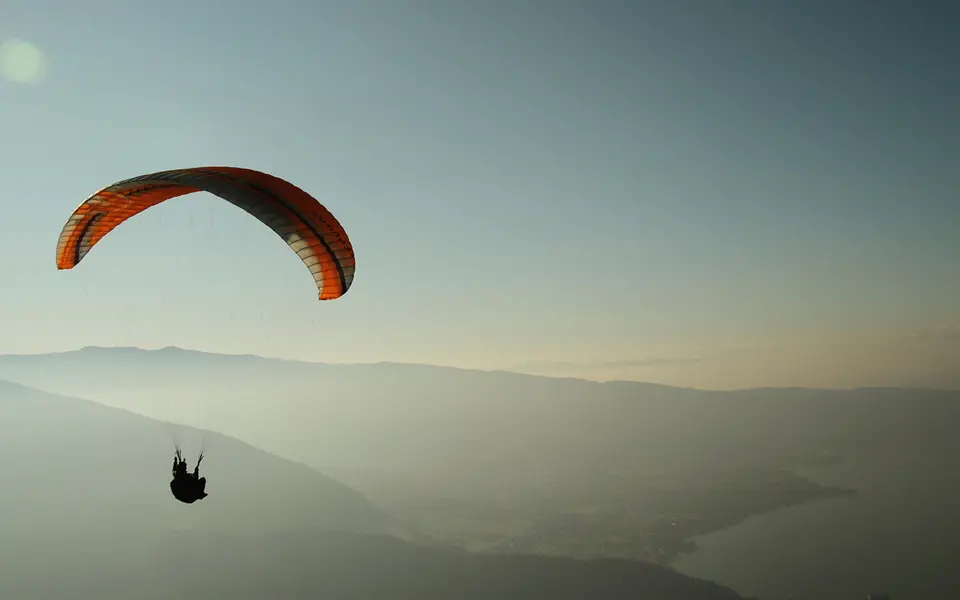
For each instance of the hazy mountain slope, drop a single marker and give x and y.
(390, 417)
(507, 461)
(77, 465)
(86, 514)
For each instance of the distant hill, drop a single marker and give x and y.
(511, 462)
(73, 465)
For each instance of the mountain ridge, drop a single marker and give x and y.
(194, 352)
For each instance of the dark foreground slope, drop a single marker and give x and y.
(312, 565)
(74, 465)
(354, 567)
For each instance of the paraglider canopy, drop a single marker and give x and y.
(304, 224)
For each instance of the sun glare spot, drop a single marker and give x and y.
(22, 62)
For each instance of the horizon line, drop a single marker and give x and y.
(510, 371)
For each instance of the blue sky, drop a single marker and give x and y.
(583, 185)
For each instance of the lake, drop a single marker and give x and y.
(899, 535)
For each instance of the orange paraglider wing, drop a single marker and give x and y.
(303, 223)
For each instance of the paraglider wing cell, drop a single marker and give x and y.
(303, 223)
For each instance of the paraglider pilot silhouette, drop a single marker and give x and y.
(187, 487)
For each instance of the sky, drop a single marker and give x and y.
(718, 194)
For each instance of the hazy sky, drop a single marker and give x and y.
(600, 187)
